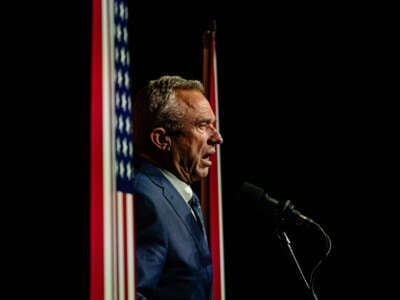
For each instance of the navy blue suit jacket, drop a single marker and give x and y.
(173, 259)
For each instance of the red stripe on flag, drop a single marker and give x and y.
(134, 245)
(214, 190)
(96, 161)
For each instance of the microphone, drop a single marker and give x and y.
(283, 210)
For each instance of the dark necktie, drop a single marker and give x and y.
(195, 205)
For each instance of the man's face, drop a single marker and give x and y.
(192, 148)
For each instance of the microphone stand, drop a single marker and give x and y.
(285, 241)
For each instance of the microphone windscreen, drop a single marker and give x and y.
(263, 209)
(251, 191)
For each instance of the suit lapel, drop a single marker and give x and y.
(177, 202)
(184, 212)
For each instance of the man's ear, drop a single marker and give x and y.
(160, 139)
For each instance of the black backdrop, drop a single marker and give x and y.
(303, 112)
(287, 79)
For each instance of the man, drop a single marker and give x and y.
(174, 137)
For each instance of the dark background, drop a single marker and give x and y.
(306, 95)
(302, 92)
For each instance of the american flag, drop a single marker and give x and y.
(112, 249)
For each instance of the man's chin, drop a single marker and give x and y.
(203, 172)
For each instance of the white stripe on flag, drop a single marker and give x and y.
(219, 176)
(108, 167)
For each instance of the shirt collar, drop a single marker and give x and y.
(182, 187)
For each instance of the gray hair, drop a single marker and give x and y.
(155, 105)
